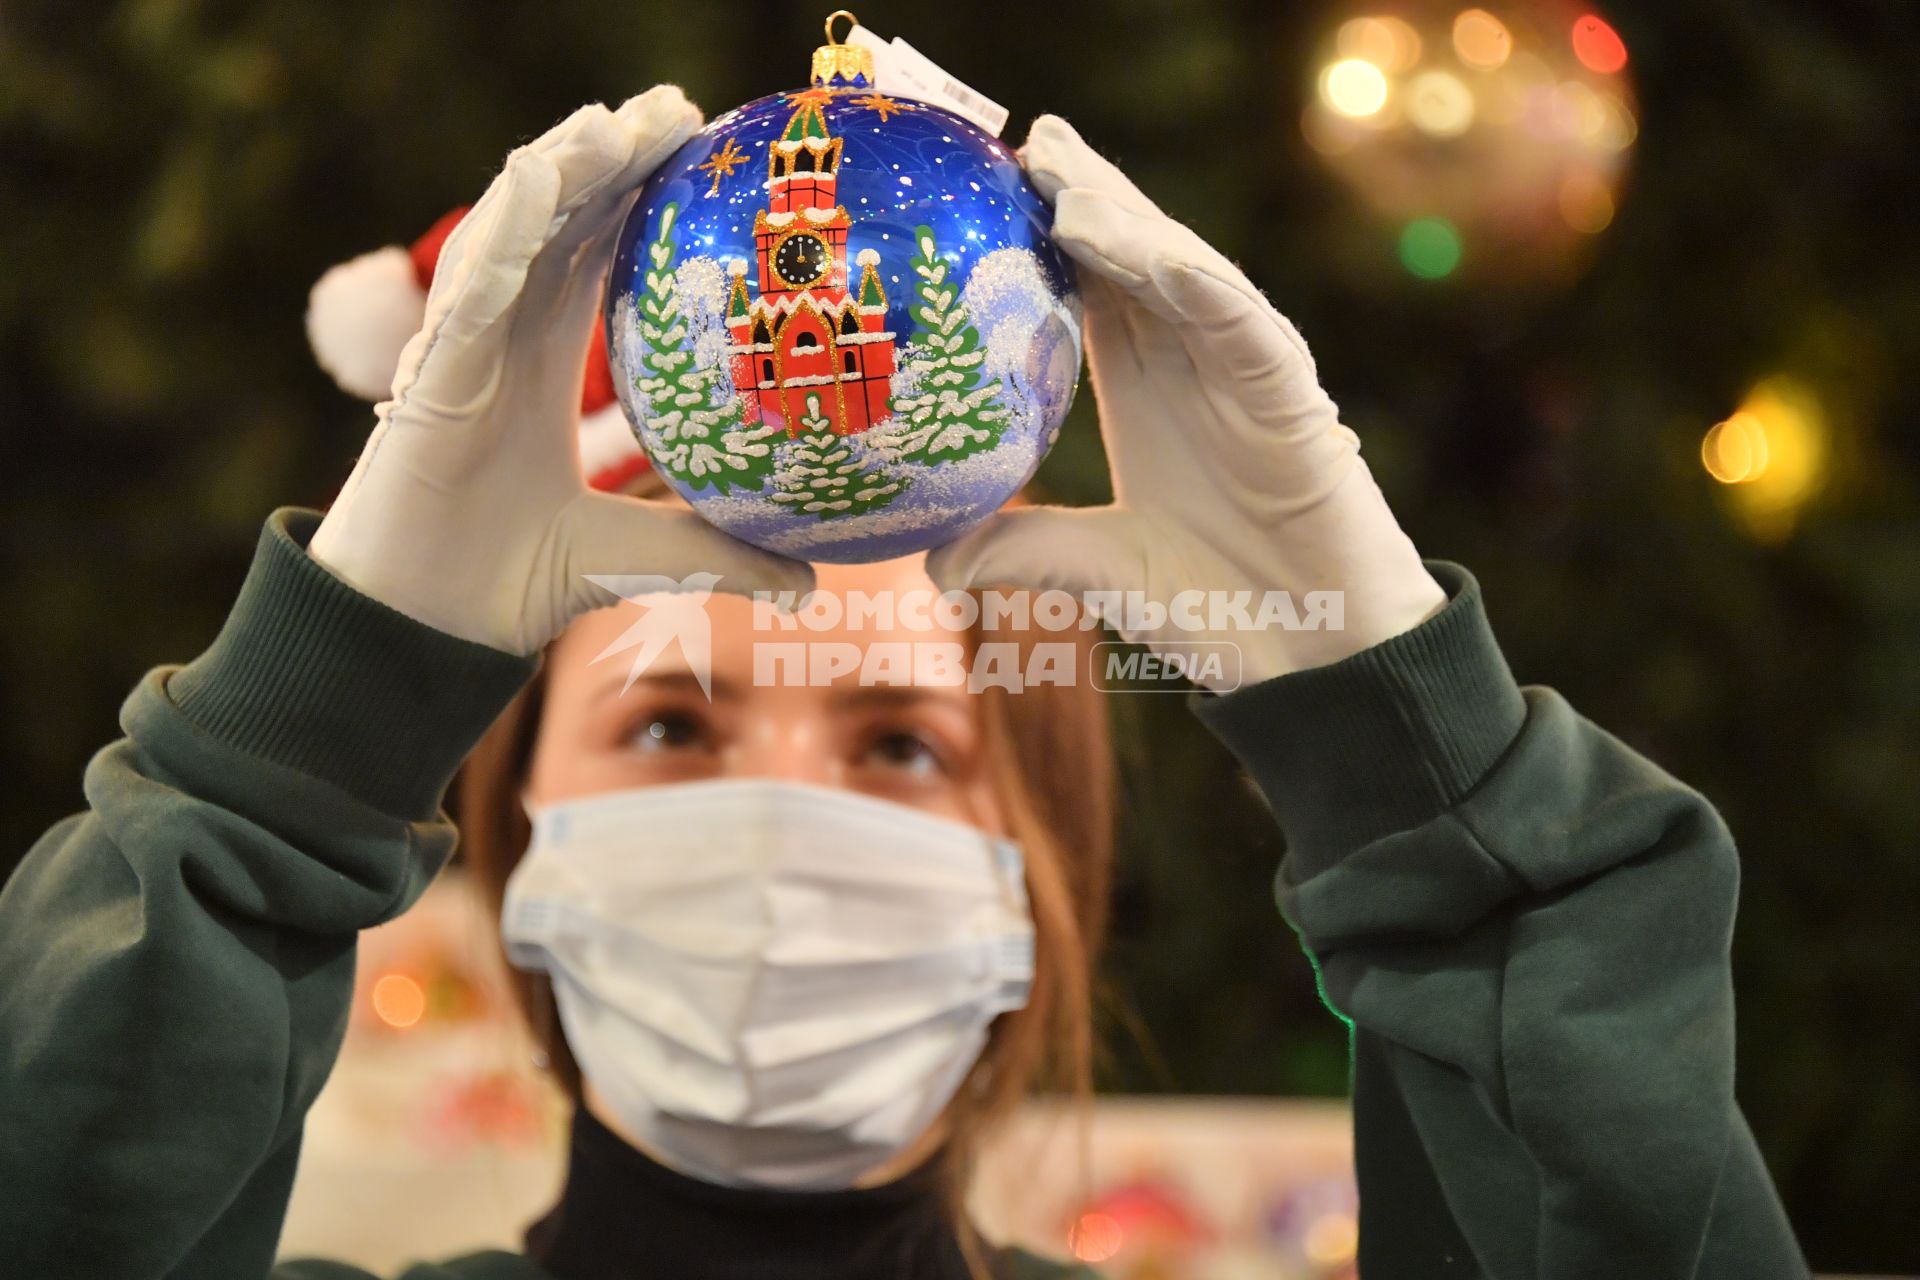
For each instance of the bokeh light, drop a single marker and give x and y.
(1598, 46)
(1735, 451)
(1095, 1237)
(398, 1000)
(1389, 43)
(1619, 129)
(1430, 248)
(1482, 40)
(1354, 87)
(1331, 1240)
(1439, 104)
(1771, 454)
(1586, 203)
(1493, 121)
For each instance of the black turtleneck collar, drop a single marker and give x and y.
(623, 1215)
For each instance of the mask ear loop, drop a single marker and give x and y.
(540, 1023)
(982, 1078)
(543, 1034)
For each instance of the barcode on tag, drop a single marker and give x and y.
(983, 111)
(904, 71)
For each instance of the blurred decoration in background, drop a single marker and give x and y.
(1620, 297)
(1491, 142)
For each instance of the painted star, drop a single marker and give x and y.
(721, 164)
(882, 106)
(814, 97)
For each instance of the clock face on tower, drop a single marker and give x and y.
(801, 259)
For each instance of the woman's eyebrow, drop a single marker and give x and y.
(898, 695)
(680, 681)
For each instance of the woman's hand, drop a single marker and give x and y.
(1231, 470)
(467, 511)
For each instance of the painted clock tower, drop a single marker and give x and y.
(805, 351)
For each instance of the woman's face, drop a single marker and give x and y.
(915, 744)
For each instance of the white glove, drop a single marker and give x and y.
(467, 511)
(1231, 470)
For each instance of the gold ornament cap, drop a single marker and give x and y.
(846, 62)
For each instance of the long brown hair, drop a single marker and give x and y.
(1051, 756)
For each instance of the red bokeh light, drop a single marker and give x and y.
(1598, 46)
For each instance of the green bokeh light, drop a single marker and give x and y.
(1430, 248)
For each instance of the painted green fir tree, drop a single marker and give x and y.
(950, 408)
(828, 475)
(694, 439)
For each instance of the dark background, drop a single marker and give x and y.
(176, 174)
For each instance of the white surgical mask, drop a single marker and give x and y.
(768, 983)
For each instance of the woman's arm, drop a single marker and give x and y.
(176, 963)
(1526, 924)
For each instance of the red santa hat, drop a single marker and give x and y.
(361, 313)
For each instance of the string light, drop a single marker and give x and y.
(1482, 40)
(1598, 46)
(1430, 248)
(1354, 87)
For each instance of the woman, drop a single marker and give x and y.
(1525, 923)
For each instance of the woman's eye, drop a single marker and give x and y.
(906, 752)
(671, 731)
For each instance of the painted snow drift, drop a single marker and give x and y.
(839, 326)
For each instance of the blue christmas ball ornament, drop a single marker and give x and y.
(838, 324)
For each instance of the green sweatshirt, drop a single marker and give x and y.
(1525, 922)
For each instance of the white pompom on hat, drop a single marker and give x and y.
(361, 314)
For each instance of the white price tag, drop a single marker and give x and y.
(902, 70)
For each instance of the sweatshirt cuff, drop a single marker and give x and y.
(310, 674)
(1382, 741)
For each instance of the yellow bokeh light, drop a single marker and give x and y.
(398, 1000)
(1618, 128)
(1439, 104)
(1735, 451)
(1331, 1240)
(1481, 39)
(1585, 203)
(1584, 110)
(1354, 87)
(1388, 43)
(1771, 453)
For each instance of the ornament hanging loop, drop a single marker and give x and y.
(837, 65)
